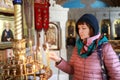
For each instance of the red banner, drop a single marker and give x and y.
(41, 11)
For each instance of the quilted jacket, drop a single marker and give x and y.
(89, 68)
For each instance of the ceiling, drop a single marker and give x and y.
(111, 3)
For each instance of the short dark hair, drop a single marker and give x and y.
(91, 20)
(89, 26)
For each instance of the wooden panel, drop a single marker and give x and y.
(3, 56)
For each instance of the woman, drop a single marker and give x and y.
(84, 63)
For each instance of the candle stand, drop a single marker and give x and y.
(21, 66)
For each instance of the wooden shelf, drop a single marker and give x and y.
(6, 45)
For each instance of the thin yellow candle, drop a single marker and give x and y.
(30, 43)
(22, 57)
(47, 55)
(40, 55)
(34, 56)
(33, 67)
(34, 70)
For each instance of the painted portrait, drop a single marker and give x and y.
(52, 36)
(117, 29)
(70, 28)
(105, 28)
(3, 21)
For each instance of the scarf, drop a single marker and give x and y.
(91, 47)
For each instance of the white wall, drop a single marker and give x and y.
(58, 14)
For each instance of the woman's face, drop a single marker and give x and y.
(84, 31)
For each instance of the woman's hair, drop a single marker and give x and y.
(91, 20)
(88, 25)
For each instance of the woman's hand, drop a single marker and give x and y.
(54, 57)
(8, 39)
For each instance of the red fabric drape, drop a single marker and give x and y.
(41, 11)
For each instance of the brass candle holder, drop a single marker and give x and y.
(21, 66)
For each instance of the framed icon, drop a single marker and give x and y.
(52, 36)
(9, 20)
(70, 28)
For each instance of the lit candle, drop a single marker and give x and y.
(22, 57)
(40, 55)
(47, 55)
(34, 70)
(30, 43)
(34, 56)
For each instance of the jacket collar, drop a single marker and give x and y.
(91, 39)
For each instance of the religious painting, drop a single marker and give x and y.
(6, 6)
(116, 29)
(112, 33)
(52, 35)
(7, 28)
(105, 28)
(70, 33)
(70, 28)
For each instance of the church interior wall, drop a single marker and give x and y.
(60, 16)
